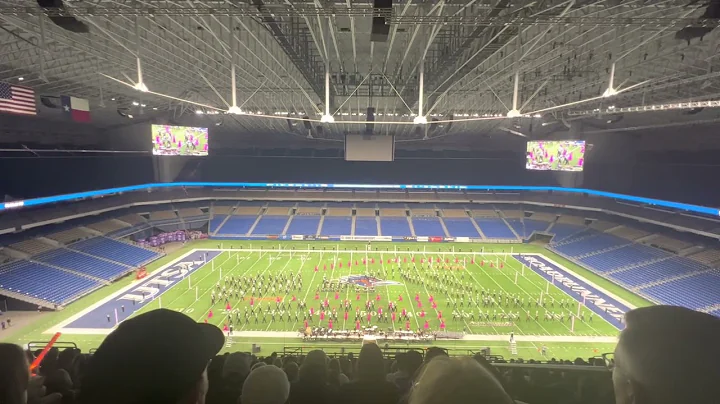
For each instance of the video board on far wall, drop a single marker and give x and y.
(561, 155)
(179, 141)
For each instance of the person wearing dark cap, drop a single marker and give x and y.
(158, 357)
(667, 355)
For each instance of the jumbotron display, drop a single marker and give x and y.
(563, 155)
(179, 141)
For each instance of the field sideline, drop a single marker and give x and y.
(477, 274)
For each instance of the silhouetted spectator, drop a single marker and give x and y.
(14, 374)
(335, 375)
(291, 370)
(667, 355)
(312, 385)
(408, 364)
(370, 385)
(457, 381)
(265, 385)
(159, 357)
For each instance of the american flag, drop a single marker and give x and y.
(17, 100)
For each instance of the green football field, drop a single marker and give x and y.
(453, 285)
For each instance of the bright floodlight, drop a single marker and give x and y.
(141, 87)
(513, 113)
(327, 119)
(610, 92)
(234, 110)
(420, 120)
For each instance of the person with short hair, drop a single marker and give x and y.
(457, 381)
(265, 385)
(158, 357)
(667, 355)
(369, 385)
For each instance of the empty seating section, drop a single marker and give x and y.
(32, 246)
(622, 257)
(495, 228)
(484, 213)
(271, 224)
(366, 226)
(304, 225)
(601, 225)
(163, 215)
(4, 257)
(393, 212)
(513, 213)
(569, 219)
(308, 210)
(543, 216)
(277, 211)
(395, 226)
(234, 224)
(428, 226)
(84, 263)
(460, 227)
(454, 213)
(669, 243)
(32, 279)
(423, 212)
(253, 210)
(694, 292)
(132, 218)
(339, 212)
(564, 230)
(587, 245)
(222, 210)
(114, 250)
(108, 226)
(190, 212)
(518, 226)
(707, 257)
(656, 271)
(70, 235)
(337, 226)
(534, 225)
(365, 212)
(630, 233)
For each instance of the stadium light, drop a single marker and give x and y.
(327, 118)
(420, 120)
(513, 113)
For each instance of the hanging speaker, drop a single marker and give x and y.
(370, 117)
(380, 28)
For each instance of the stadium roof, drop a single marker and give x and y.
(566, 60)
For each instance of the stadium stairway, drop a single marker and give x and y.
(502, 216)
(352, 226)
(219, 226)
(320, 225)
(412, 226)
(482, 235)
(379, 229)
(254, 225)
(445, 229)
(287, 225)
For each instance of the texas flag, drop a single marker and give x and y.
(76, 108)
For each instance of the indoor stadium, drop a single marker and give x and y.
(386, 201)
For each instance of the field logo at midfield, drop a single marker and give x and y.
(597, 301)
(366, 281)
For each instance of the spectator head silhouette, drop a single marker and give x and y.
(371, 365)
(667, 354)
(265, 385)
(291, 370)
(457, 381)
(14, 374)
(314, 368)
(158, 357)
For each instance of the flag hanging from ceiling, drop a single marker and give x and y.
(76, 108)
(17, 99)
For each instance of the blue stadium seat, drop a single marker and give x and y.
(460, 227)
(583, 246)
(216, 221)
(84, 263)
(237, 225)
(271, 225)
(624, 256)
(427, 226)
(395, 226)
(365, 226)
(336, 226)
(304, 225)
(656, 271)
(564, 230)
(44, 282)
(695, 292)
(495, 228)
(114, 250)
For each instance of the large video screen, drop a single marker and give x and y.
(563, 155)
(179, 141)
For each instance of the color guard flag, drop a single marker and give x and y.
(76, 108)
